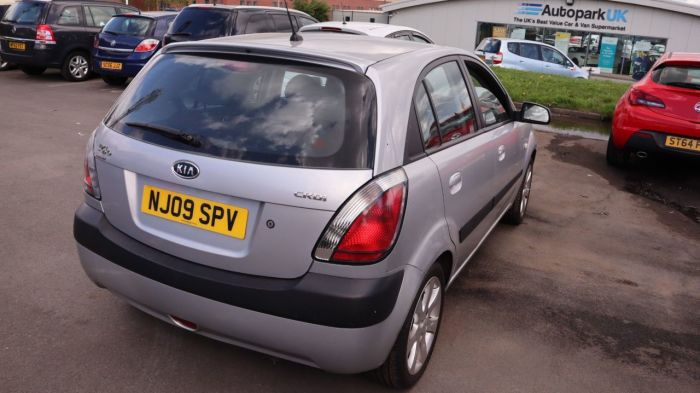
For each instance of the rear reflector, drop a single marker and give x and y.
(183, 323)
(367, 225)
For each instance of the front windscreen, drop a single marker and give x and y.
(678, 76)
(129, 25)
(27, 12)
(252, 110)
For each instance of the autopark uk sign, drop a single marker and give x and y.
(612, 19)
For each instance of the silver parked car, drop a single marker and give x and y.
(528, 56)
(369, 28)
(300, 198)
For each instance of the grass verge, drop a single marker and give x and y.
(555, 91)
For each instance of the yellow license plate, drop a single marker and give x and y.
(683, 143)
(111, 65)
(17, 45)
(204, 214)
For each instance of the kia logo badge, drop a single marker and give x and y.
(113, 43)
(14, 29)
(185, 169)
(697, 107)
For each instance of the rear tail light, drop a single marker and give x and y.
(498, 58)
(638, 97)
(91, 185)
(147, 45)
(44, 34)
(367, 225)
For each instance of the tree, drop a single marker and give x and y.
(319, 9)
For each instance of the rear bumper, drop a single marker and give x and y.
(130, 67)
(653, 143)
(337, 324)
(47, 57)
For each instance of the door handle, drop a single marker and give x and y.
(501, 152)
(455, 183)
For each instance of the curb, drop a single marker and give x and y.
(572, 113)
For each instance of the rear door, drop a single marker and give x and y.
(462, 154)
(529, 57)
(18, 27)
(278, 148)
(68, 24)
(555, 63)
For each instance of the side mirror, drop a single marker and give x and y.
(534, 113)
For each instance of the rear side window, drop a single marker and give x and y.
(304, 21)
(513, 47)
(98, 16)
(426, 119)
(162, 25)
(24, 12)
(199, 23)
(531, 51)
(129, 25)
(282, 23)
(259, 23)
(69, 16)
(258, 111)
(490, 45)
(450, 97)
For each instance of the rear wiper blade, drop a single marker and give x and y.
(168, 132)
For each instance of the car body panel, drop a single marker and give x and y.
(364, 28)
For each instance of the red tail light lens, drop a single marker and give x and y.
(366, 227)
(147, 45)
(90, 183)
(638, 97)
(498, 59)
(44, 34)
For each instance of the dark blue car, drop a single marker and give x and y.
(127, 42)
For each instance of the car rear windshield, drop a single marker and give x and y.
(489, 45)
(200, 23)
(129, 25)
(24, 12)
(678, 76)
(287, 113)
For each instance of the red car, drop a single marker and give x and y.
(660, 114)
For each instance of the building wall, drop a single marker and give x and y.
(462, 17)
(361, 16)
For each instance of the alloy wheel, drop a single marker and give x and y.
(526, 191)
(78, 66)
(424, 325)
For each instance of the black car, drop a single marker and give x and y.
(37, 35)
(4, 65)
(202, 21)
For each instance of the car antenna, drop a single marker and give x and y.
(295, 36)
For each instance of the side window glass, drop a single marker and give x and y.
(420, 39)
(450, 97)
(404, 37)
(70, 16)
(531, 51)
(100, 15)
(258, 23)
(513, 48)
(426, 119)
(492, 108)
(305, 21)
(551, 56)
(282, 23)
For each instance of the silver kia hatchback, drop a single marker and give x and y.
(311, 200)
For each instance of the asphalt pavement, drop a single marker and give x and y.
(598, 291)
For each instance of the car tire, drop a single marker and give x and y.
(516, 214)
(76, 67)
(114, 80)
(406, 363)
(614, 156)
(33, 70)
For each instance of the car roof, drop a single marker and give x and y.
(358, 52)
(157, 14)
(681, 57)
(363, 28)
(245, 7)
